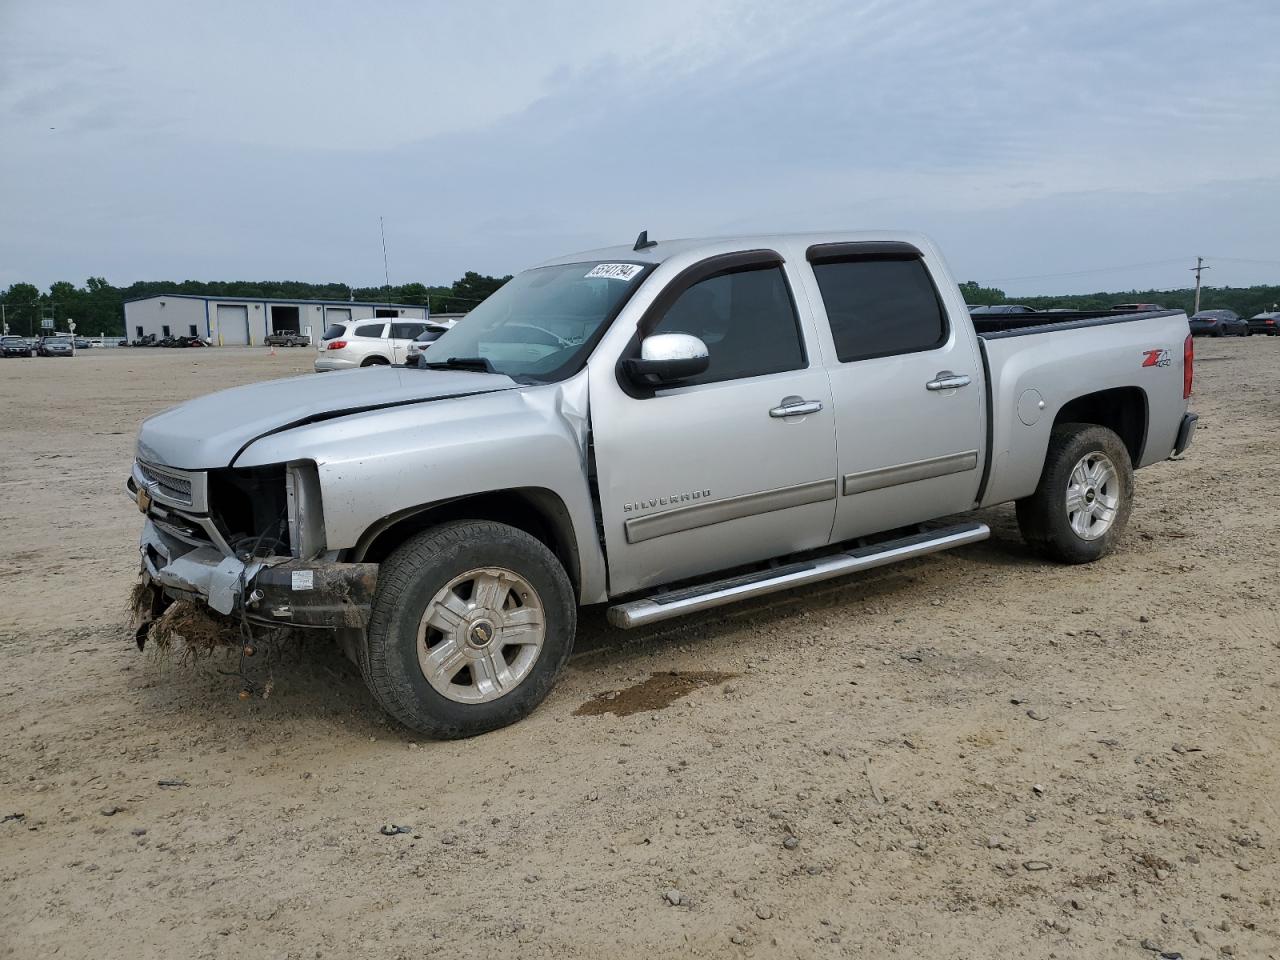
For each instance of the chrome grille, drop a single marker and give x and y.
(169, 484)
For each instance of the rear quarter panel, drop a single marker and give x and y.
(1063, 365)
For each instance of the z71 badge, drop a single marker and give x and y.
(1155, 358)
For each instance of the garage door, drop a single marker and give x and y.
(231, 325)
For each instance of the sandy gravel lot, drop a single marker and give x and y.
(974, 755)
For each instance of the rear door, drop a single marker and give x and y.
(402, 334)
(715, 472)
(907, 384)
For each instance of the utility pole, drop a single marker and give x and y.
(1197, 270)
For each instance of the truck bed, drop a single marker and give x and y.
(1026, 374)
(993, 327)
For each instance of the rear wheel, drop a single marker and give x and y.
(1079, 510)
(375, 362)
(472, 622)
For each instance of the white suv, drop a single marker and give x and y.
(366, 343)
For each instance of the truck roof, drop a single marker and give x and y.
(666, 249)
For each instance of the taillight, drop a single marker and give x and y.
(1188, 364)
(336, 345)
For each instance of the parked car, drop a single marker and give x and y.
(56, 346)
(423, 340)
(1001, 308)
(662, 429)
(82, 343)
(15, 347)
(366, 343)
(287, 338)
(1219, 323)
(1267, 323)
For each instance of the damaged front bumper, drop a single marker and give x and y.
(280, 591)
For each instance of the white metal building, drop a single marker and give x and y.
(237, 320)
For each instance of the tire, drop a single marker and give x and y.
(375, 362)
(400, 638)
(1044, 517)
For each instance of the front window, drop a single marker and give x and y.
(540, 326)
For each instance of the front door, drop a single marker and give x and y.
(907, 386)
(732, 466)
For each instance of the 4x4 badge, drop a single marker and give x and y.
(1155, 358)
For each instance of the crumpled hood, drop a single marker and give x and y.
(210, 431)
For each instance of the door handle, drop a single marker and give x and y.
(946, 380)
(795, 407)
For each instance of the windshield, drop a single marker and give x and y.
(540, 325)
(57, 341)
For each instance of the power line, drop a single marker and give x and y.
(1271, 263)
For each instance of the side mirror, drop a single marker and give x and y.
(667, 358)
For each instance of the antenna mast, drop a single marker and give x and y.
(386, 272)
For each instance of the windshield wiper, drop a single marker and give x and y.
(460, 363)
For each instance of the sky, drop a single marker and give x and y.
(1048, 146)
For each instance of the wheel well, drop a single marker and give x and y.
(538, 512)
(375, 361)
(1121, 409)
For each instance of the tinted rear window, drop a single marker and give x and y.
(878, 308)
(334, 330)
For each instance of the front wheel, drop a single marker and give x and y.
(472, 622)
(1079, 510)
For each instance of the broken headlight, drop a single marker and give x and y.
(269, 511)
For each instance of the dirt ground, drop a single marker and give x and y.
(973, 755)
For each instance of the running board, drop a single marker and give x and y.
(676, 603)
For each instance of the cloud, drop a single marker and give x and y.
(265, 140)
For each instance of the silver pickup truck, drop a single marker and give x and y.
(663, 428)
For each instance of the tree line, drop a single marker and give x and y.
(98, 307)
(1245, 301)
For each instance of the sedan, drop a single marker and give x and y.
(56, 347)
(987, 311)
(1219, 323)
(15, 347)
(1267, 323)
(421, 342)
